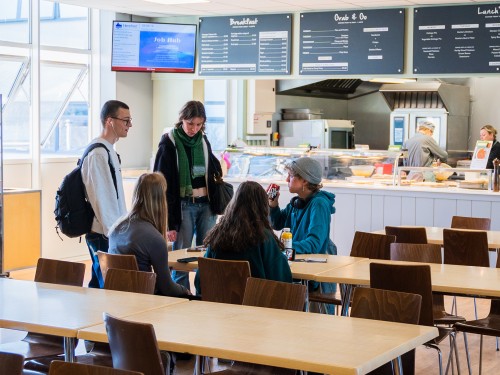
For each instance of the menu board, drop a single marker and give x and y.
(352, 42)
(245, 45)
(457, 39)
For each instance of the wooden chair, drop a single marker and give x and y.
(414, 279)
(407, 234)
(271, 294)
(466, 247)
(391, 306)
(373, 246)
(477, 223)
(223, 280)
(72, 368)
(62, 272)
(365, 245)
(426, 253)
(36, 345)
(274, 294)
(134, 346)
(488, 326)
(119, 261)
(130, 281)
(11, 363)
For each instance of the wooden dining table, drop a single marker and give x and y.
(435, 235)
(297, 340)
(306, 266)
(61, 310)
(446, 278)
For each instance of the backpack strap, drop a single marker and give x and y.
(111, 167)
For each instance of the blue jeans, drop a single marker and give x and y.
(96, 242)
(197, 218)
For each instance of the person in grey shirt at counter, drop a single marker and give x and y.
(422, 148)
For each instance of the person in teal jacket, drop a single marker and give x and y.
(244, 233)
(308, 215)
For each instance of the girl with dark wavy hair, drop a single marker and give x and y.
(244, 233)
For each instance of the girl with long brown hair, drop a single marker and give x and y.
(143, 233)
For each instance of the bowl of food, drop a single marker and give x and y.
(440, 174)
(362, 170)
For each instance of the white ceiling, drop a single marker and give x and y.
(235, 7)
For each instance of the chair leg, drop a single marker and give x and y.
(467, 353)
(453, 352)
(475, 308)
(481, 355)
(440, 359)
(497, 345)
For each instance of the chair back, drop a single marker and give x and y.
(465, 247)
(274, 294)
(407, 279)
(387, 305)
(62, 272)
(119, 261)
(11, 363)
(373, 246)
(408, 234)
(476, 223)
(411, 252)
(130, 281)
(223, 280)
(66, 368)
(133, 346)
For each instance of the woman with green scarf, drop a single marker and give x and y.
(186, 160)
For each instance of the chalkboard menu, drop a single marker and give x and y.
(352, 42)
(245, 45)
(457, 39)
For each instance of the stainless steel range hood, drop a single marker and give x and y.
(327, 88)
(427, 95)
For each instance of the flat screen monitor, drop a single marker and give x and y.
(153, 47)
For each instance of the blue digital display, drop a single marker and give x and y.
(153, 47)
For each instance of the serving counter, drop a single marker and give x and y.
(369, 204)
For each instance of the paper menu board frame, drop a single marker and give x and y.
(481, 154)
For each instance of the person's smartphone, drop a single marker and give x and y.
(188, 259)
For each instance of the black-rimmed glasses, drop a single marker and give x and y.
(128, 122)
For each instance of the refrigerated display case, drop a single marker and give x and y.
(270, 162)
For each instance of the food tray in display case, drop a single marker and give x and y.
(270, 162)
(445, 176)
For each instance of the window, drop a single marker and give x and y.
(64, 108)
(64, 77)
(14, 26)
(216, 109)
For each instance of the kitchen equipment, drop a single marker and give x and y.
(445, 105)
(321, 133)
(300, 114)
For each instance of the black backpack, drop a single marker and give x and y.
(74, 214)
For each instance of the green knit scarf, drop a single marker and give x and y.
(197, 157)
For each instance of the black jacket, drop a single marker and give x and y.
(166, 162)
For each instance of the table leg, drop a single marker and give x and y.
(198, 365)
(345, 297)
(397, 366)
(306, 283)
(69, 349)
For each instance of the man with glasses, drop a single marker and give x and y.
(102, 178)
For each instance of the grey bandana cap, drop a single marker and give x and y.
(307, 168)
